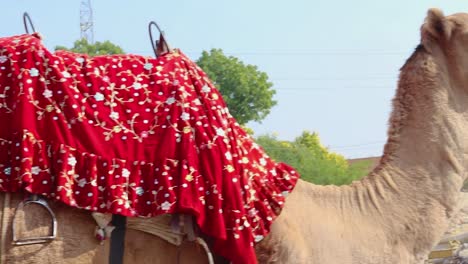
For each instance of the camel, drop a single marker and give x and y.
(399, 212)
(396, 214)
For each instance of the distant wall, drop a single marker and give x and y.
(373, 161)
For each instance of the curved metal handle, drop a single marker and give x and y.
(158, 44)
(27, 18)
(34, 240)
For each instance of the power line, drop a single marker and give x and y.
(304, 53)
(292, 53)
(373, 78)
(305, 89)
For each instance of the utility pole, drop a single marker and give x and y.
(86, 21)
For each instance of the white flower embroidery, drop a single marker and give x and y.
(66, 74)
(3, 58)
(185, 116)
(228, 155)
(35, 170)
(252, 212)
(139, 191)
(263, 162)
(170, 100)
(47, 93)
(148, 66)
(258, 238)
(137, 85)
(285, 193)
(71, 161)
(33, 72)
(220, 132)
(206, 89)
(7, 170)
(114, 115)
(82, 183)
(144, 134)
(99, 97)
(166, 206)
(106, 78)
(125, 173)
(80, 60)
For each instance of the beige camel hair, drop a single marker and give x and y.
(394, 215)
(401, 209)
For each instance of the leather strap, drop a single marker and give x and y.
(117, 242)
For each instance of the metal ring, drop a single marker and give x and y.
(154, 44)
(34, 199)
(27, 18)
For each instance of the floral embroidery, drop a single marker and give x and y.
(185, 116)
(148, 66)
(33, 72)
(82, 183)
(99, 97)
(125, 173)
(66, 74)
(47, 93)
(144, 134)
(114, 115)
(72, 161)
(206, 89)
(170, 100)
(166, 206)
(220, 132)
(136, 136)
(137, 86)
(139, 191)
(35, 170)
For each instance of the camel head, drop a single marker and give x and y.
(446, 38)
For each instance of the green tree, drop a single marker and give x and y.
(98, 48)
(245, 89)
(314, 162)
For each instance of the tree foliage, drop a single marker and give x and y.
(245, 89)
(98, 48)
(312, 160)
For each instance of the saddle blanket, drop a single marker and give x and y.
(136, 136)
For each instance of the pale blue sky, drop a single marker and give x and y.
(333, 63)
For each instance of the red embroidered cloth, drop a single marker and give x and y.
(135, 136)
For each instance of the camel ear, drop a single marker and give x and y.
(436, 27)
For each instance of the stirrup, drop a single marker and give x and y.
(34, 199)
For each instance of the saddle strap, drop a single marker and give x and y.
(117, 243)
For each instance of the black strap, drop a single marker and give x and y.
(117, 239)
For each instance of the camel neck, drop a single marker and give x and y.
(417, 184)
(427, 131)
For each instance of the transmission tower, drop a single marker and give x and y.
(86, 21)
